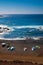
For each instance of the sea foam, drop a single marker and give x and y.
(25, 38)
(40, 28)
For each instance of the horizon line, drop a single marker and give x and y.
(20, 14)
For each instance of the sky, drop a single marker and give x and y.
(21, 6)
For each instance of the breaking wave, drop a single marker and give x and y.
(37, 27)
(5, 29)
(25, 38)
(11, 28)
(32, 28)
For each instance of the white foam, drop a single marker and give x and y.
(3, 26)
(19, 27)
(13, 38)
(40, 28)
(2, 33)
(11, 28)
(5, 31)
(34, 38)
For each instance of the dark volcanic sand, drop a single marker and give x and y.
(19, 54)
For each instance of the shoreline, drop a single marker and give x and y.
(24, 38)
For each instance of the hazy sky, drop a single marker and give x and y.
(21, 6)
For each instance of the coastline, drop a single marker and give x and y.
(24, 38)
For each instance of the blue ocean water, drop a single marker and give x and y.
(23, 25)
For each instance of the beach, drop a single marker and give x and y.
(21, 39)
(19, 55)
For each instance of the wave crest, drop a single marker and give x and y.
(4, 29)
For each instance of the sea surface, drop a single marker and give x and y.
(22, 25)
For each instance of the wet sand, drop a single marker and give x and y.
(27, 57)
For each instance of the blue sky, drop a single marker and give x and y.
(21, 6)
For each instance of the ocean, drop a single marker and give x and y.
(21, 25)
